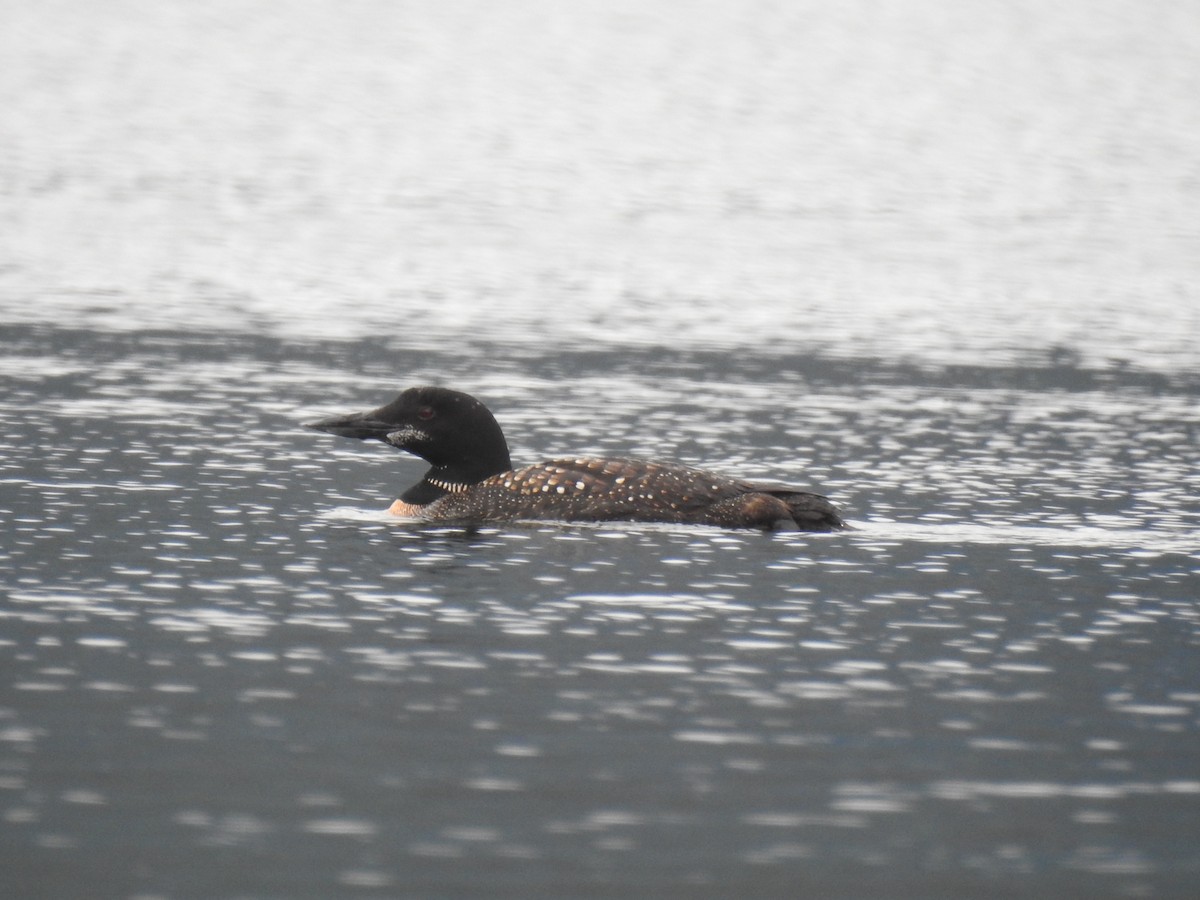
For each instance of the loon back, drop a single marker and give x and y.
(471, 478)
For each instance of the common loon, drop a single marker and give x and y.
(472, 478)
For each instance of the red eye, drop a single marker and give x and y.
(425, 413)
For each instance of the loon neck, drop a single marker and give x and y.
(442, 480)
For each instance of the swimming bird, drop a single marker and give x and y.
(471, 479)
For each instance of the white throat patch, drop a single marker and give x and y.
(402, 437)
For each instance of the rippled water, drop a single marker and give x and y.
(815, 245)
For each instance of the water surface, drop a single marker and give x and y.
(937, 264)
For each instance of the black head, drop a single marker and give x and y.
(451, 430)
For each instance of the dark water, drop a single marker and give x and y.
(227, 676)
(938, 263)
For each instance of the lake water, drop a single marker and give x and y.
(936, 261)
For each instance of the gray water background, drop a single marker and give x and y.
(938, 261)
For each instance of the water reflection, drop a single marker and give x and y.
(227, 672)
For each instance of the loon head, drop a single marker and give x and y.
(451, 430)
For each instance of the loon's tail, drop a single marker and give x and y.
(810, 512)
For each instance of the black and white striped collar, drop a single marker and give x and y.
(448, 486)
